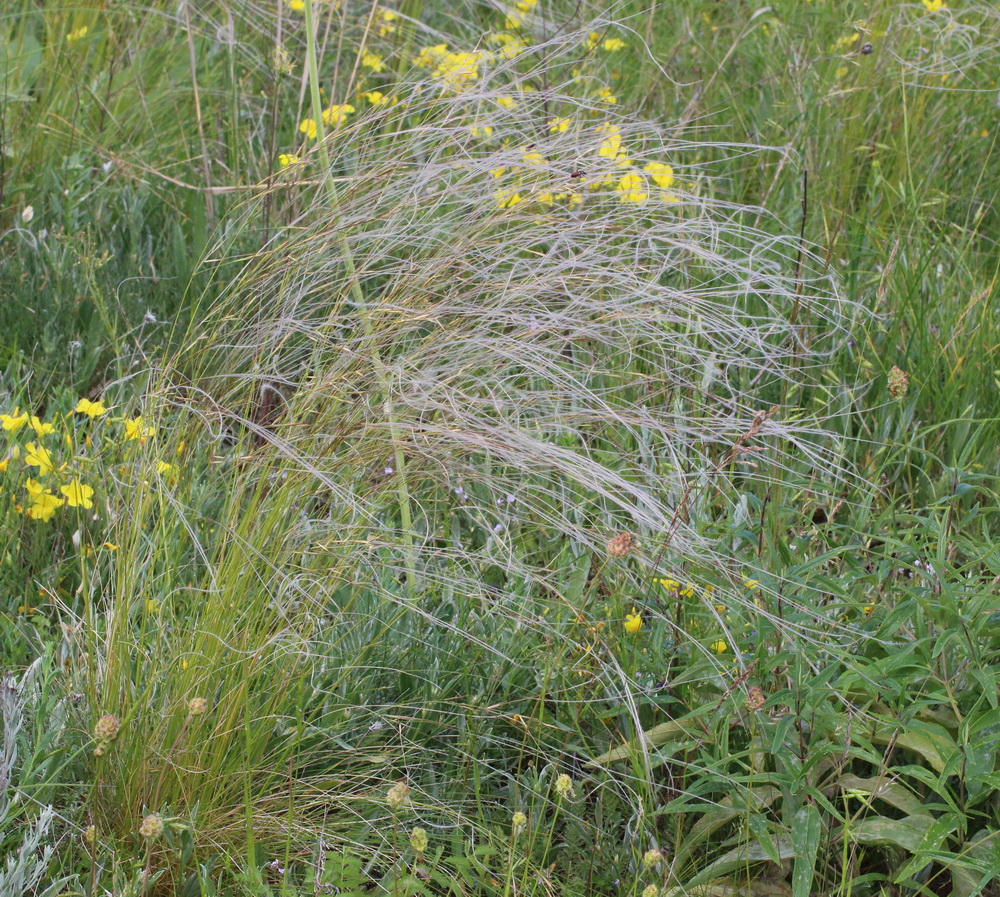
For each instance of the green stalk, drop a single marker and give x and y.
(403, 494)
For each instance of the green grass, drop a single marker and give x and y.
(399, 396)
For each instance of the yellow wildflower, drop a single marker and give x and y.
(337, 113)
(296, 5)
(633, 621)
(77, 33)
(387, 17)
(286, 159)
(77, 494)
(39, 457)
(533, 158)
(163, 468)
(661, 173)
(507, 102)
(376, 97)
(33, 488)
(632, 188)
(13, 422)
(719, 647)
(558, 125)
(135, 428)
(481, 130)
(934, 5)
(429, 56)
(91, 409)
(506, 200)
(605, 94)
(44, 506)
(373, 61)
(613, 43)
(308, 127)
(40, 428)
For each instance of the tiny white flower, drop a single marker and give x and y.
(27, 213)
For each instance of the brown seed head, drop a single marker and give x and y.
(621, 545)
(899, 382)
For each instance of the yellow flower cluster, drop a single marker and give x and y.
(55, 483)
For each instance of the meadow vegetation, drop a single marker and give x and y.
(499, 449)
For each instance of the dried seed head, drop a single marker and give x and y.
(564, 786)
(621, 545)
(398, 795)
(197, 706)
(899, 382)
(755, 698)
(152, 827)
(418, 840)
(90, 835)
(651, 857)
(106, 728)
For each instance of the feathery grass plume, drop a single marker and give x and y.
(473, 392)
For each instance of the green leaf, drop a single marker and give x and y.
(906, 833)
(725, 811)
(758, 825)
(805, 834)
(738, 858)
(883, 788)
(664, 733)
(930, 846)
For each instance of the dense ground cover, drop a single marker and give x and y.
(499, 449)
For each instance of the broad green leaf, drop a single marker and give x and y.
(931, 741)
(930, 846)
(759, 828)
(805, 833)
(739, 858)
(882, 788)
(664, 733)
(758, 887)
(907, 833)
(978, 865)
(725, 811)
